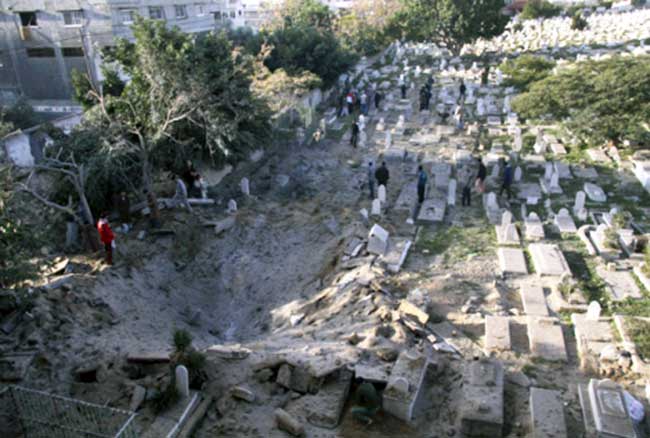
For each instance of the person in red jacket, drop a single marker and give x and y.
(107, 237)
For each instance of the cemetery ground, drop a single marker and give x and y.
(470, 321)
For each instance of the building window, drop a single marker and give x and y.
(156, 13)
(73, 52)
(200, 9)
(73, 18)
(232, 14)
(217, 15)
(41, 52)
(127, 16)
(28, 19)
(181, 11)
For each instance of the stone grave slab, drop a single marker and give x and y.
(547, 412)
(598, 155)
(585, 172)
(325, 408)
(407, 198)
(533, 300)
(482, 409)
(497, 334)
(533, 227)
(619, 284)
(594, 192)
(404, 384)
(564, 222)
(558, 149)
(545, 338)
(396, 253)
(548, 259)
(432, 211)
(604, 409)
(592, 336)
(507, 235)
(529, 190)
(512, 261)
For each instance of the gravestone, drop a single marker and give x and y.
(533, 300)
(182, 381)
(375, 210)
(497, 334)
(506, 218)
(377, 240)
(545, 338)
(548, 260)
(245, 186)
(579, 206)
(619, 284)
(482, 407)
(388, 140)
(564, 222)
(547, 412)
(518, 174)
(381, 193)
(232, 206)
(432, 211)
(404, 384)
(594, 192)
(507, 234)
(512, 261)
(534, 229)
(380, 125)
(451, 193)
(593, 311)
(603, 405)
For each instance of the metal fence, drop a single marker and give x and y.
(35, 414)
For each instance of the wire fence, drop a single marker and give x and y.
(35, 414)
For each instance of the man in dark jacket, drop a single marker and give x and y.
(382, 175)
(480, 177)
(422, 184)
(507, 180)
(355, 134)
(378, 97)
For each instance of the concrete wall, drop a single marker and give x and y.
(18, 150)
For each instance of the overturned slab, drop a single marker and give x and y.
(497, 334)
(548, 260)
(604, 410)
(396, 254)
(620, 284)
(547, 412)
(482, 409)
(545, 338)
(512, 261)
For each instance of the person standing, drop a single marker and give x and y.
(458, 116)
(462, 89)
(371, 179)
(382, 175)
(107, 237)
(506, 183)
(180, 198)
(124, 209)
(480, 176)
(364, 103)
(378, 98)
(422, 184)
(403, 88)
(355, 134)
(349, 100)
(467, 193)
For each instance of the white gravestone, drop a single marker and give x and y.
(376, 208)
(579, 207)
(518, 174)
(389, 140)
(377, 240)
(593, 311)
(506, 218)
(451, 193)
(232, 206)
(245, 186)
(381, 193)
(182, 381)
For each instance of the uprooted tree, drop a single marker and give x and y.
(186, 96)
(451, 23)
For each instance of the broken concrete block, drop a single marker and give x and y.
(241, 393)
(377, 240)
(407, 308)
(138, 396)
(328, 404)
(284, 376)
(289, 423)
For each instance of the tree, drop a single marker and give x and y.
(451, 23)
(540, 9)
(601, 101)
(186, 95)
(526, 69)
(310, 13)
(362, 28)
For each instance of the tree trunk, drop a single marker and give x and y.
(152, 199)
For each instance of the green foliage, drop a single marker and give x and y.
(83, 87)
(539, 9)
(182, 340)
(16, 238)
(646, 261)
(166, 398)
(188, 239)
(639, 331)
(606, 100)
(300, 47)
(20, 115)
(522, 71)
(310, 13)
(452, 23)
(605, 3)
(578, 22)
(611, 238)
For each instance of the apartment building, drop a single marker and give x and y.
(44, 40)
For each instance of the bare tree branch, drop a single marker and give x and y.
(65, 209)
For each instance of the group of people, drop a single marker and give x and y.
(352, 101)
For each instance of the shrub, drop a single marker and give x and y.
(540, 9)
(182, 340)
(166, 398)
(578, 22)
(526, 69)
